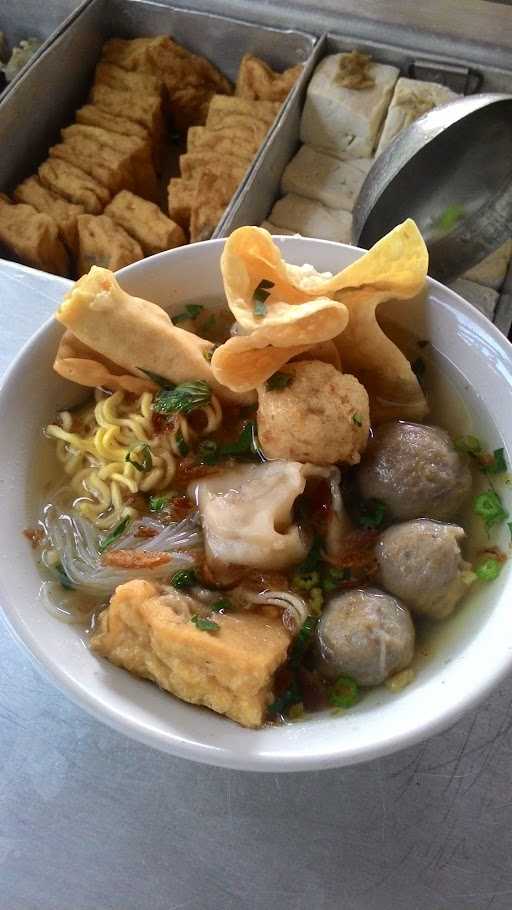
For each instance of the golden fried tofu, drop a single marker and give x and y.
(73, 184)
(146, 110)
(189, 105)
(258, 81)
(180, 194)
(135, 53)
(32, 192)
(103, 242)
(32, 238)
(148, 630)
(105, 165)
(91, 115)
(145, 222)
(128, 80)
(226, 140)
(193, 163)
(132, 155)
(222, 108)
(213, 194)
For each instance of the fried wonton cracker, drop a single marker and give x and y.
(79, 363)
(134, 334)
(258, 81)
(395, 268)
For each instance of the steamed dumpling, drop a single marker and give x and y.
(321, 416)
(247, 514)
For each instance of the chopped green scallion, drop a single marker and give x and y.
(487, 569)
(157, 503)
(208, 452)
(490, 507)
(278, 381)
(222, 604)
(182, 446)
(186, 397)
(332, 578)
(63, 577)
(184, 578)
(344, 693)
(357, 419)
(497, 464)
(469, 445)
(205, 625)
(191, 311)
(140, 457)
(114, 535)
(305, 581)
(372, 513)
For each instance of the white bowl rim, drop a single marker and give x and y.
(175, 745)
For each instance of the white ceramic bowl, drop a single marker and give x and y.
(470, 652)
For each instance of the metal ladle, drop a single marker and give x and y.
(451, 171)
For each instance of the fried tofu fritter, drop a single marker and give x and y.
(103, 242)
(258, 81)
(73, 184)
(145, 222)
(32, 238)
(32, 192)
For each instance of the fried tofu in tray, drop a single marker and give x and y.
(150, 162)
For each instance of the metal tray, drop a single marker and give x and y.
(46, 97)
(33, 19)
(262, 186)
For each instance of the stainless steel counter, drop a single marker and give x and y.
(92, 821)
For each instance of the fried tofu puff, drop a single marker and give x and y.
(145, 222)
(32, 238)
(103, 242)
(310, 412)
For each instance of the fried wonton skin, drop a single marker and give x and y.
(32, 238)
(135, 334)
(148, 630)
(145, 222)
(32, 192)
(73, 184)
(302, 309)
(103, 242)
(258, 81)
(79, 363)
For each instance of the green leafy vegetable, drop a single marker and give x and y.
(260, 308)
(497, 465)
(140, 457)
(205, 625)
(63, 577)
(469, 445)
(344, 692)
(184, 578)
(283, 702)
(316, 601)
(183, 398)
(449, 217)
(260, 296)
(490, 507)
(357, 419)
(314, 557)
(114, 535)
(191, 311)
(208, 452)
(157, 503)
(278, 381)
(302, 642)
(332, 578)
(372, 513)
(181, 445)
(222, 604)
(244, 445)
(158, 380)
(488, 568)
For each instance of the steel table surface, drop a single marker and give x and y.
(92, 821)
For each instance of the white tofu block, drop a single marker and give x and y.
(484, 299)
(274, 229)
(410, 100)
(312, 219)
(325, 179)
(491, 271)
(345, 121)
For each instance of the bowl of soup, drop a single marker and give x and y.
(255, 500)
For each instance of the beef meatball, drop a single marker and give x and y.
(421, 563)
(364, 634)
(321, 416)
(415, 471)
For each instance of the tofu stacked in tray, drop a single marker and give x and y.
(354, 108)
(95, 199)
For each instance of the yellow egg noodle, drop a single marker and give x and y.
(95, 459)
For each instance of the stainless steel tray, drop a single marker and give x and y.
(33, 19)
(262, 187)
(46, 97)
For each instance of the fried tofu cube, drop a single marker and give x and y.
(148, 631)
(180, 198)
(146, 110)
(103, 242)
(32, 238)
(104, 165)
(91, 115)
(192, 164)
(213, 194)
(228, 140)
(132, 156)
(32, 192)
(223, 107)
(258, 81)
(124, 80)
(135, 53)
(145, 222)
(73, 184)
